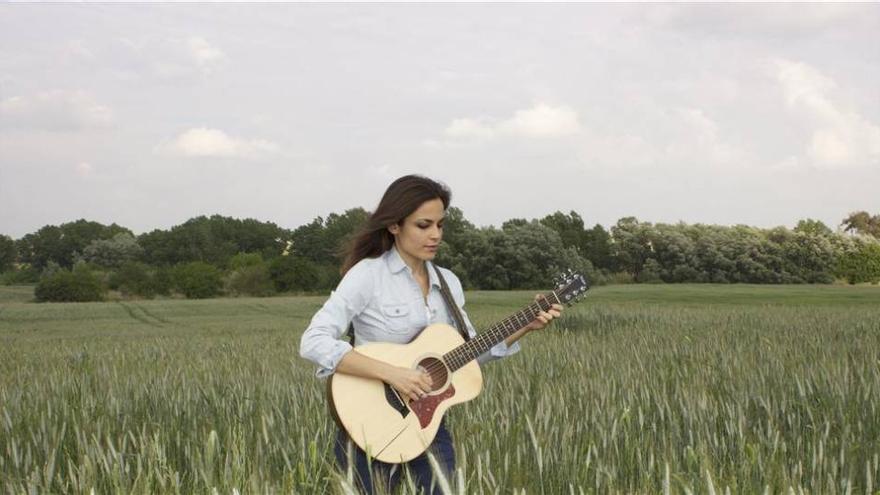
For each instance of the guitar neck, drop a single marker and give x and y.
(480, 344)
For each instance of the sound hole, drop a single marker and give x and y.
(438, 371)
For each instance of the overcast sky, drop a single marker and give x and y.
(148, 115)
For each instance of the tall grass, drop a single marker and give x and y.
(702, 389)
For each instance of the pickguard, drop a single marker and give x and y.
(424, 408)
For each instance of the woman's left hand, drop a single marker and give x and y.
(544, 317)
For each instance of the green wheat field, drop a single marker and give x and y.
(637, 389)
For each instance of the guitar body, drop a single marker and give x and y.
(378, 421)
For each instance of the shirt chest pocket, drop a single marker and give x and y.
(396, 316)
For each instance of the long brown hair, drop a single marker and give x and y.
(402, 197)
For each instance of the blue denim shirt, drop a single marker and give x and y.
(382, 299)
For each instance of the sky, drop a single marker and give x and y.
(147, 115)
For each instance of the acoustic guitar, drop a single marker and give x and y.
(395, 429)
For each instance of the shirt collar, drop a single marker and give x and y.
(396, 264)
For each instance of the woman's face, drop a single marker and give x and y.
(419, 237)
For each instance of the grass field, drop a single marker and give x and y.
(638, 389)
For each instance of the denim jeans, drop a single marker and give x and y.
(389, 475)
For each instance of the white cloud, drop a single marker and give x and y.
(679, 138)
(470, 128)
(543, 120)
(204, 54)
(767, 20)
(57, 110)
(540, 121)
(167, 58)
(84, 169)
(805, 86)
(204, 142)
(78, 49)
(840, 137)
(703, 139)
(383, 171)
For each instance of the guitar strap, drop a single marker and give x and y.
(450, 305)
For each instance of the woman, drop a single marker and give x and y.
(389, 292)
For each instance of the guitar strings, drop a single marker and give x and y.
(511, 324)
(452, 357)
(483, 342)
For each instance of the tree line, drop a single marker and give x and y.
(211, 256)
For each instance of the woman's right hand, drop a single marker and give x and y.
(414, 384)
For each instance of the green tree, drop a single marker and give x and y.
(133, 278)
(861, 222)
(650, 272)
(741, 254)
(113, 253)
(249, 276)
(309, 241)
(455, 225)
(569, 227)
(673, 255)
(64, 243)
(294, 273)
(77, 285)
(812, 227)
(631, 245)
(467, 249)
(8, 253)
(245, 260)
(456, 230)
(596, 247)
(322, 241)
(859, 261)
(253, 280)
(338, 230)
(198, 280)
(810, 256)
(519, 256)
(213, 240)
(513, 223)
(480, 259)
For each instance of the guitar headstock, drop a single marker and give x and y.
(571, 287)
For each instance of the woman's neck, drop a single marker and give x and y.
(417, 266)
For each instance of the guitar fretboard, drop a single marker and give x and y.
(480, 344)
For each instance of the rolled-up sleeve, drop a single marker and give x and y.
(501, 349)
(321, 343)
